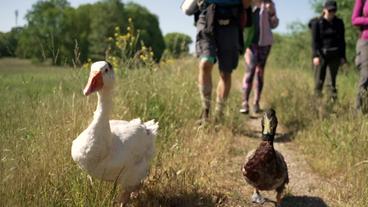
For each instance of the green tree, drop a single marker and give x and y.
(78, 24)
(177, 44)
(147, 25)
(104, 17)
(65, 35)
(44, 37)
(9, 42)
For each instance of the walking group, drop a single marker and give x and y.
(228, 28)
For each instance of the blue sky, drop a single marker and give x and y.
(169, 13)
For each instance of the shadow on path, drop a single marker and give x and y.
(185, 199)
(302, 201)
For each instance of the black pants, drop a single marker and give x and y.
(329, 66)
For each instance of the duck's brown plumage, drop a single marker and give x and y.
(265, 168)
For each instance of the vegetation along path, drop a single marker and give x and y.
(306, 188)
(43, 111)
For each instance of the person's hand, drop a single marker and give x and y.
(342, 61)
(316, 61)
(270, 8)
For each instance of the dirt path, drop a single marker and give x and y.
(306, 189)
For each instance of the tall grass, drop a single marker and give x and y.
(333, 136)
(42, 111)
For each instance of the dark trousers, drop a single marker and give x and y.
(329, 66)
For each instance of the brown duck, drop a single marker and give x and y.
(265, 168)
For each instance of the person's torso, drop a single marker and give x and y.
(364, 34)
(263, 34)
(330, 33)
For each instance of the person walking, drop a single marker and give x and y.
(328, 47)
(360, 19)
(218, 39)
(259, 40)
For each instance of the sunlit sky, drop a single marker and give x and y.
(170, 16)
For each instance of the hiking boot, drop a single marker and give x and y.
(204, 117)
(244, 109)
(256, 108)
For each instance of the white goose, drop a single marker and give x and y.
(113, 150)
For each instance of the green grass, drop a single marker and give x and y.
(43, 110)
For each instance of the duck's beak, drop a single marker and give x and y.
(95, 83)
(266, 125)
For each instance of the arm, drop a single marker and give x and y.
(245, 20)
(316, 46)
(357, 18)
(342, 43)
(274, 20)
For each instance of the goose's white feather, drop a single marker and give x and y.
(115, 150)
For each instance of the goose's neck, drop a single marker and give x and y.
(104, 105)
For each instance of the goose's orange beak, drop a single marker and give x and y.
(95, 83)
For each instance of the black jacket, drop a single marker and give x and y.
(328, 36)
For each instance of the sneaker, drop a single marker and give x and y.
(256, 108)
(244, 109)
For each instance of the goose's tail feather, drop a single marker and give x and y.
(151, 127)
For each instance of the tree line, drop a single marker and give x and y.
(65, 35)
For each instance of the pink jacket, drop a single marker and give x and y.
(360, 17)
(267, 21)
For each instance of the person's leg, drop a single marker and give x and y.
(205, 85)
(206, 50)
(227, 42)
(223, 90)
(320, 75)
(248, 79)
(258, 87)
(362, 64)
(260, 68)
(333, 67)
(362, 85)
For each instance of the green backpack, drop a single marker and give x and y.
(249, 33)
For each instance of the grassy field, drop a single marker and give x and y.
(43, 110)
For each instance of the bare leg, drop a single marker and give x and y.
(259, 84)
(205, 86)
(248, 79)
(257, 198)
(223, 90)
